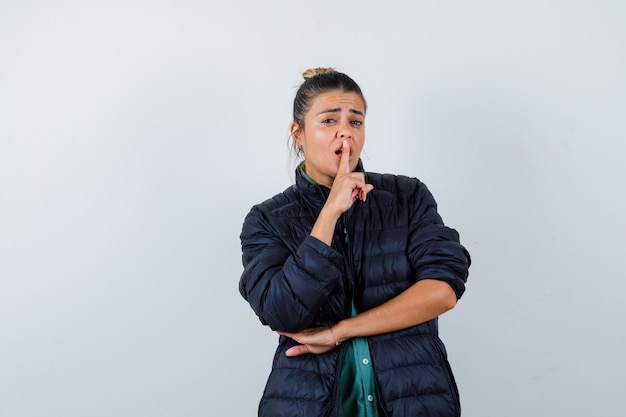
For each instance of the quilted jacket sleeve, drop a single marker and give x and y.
(434, 249)
(285, 287)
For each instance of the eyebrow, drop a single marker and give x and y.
(338, 109)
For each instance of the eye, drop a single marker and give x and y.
(357, 122)
(328, 121)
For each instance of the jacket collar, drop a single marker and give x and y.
(313, 193)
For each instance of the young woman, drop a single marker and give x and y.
(352, 269)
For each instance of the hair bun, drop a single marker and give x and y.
(312, 72)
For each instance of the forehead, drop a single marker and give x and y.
(337, 99)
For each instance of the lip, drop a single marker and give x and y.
(339, 151)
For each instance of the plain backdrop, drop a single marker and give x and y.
(135, 136)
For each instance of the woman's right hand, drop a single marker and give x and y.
(347, 187)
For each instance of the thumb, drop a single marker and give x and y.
(297, 350)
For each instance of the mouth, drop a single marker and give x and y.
(339, 152)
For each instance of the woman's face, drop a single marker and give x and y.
(334, 116)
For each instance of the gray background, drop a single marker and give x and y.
(135, 136)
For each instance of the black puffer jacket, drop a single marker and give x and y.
(294, 281)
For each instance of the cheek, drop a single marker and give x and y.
(361, 143)
(317, 140)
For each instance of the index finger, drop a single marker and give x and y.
(344, 163)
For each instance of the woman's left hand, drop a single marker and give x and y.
(316, 340)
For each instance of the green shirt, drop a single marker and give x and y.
(357, 391)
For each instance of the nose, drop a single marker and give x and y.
(344, 131)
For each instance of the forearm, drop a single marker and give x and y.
(324, 227)
(419, 303)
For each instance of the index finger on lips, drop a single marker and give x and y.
(344, 163)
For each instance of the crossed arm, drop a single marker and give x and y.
(423, 301)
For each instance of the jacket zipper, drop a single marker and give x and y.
(345, 246)
(335, 398)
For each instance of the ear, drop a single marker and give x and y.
(296, 133)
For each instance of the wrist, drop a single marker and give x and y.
(324, 227)
(338, 331)
(332, 334)
(330, 215)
